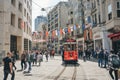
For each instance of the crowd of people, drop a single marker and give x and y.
(109, 60)
(27, 58)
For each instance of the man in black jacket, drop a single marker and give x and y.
(8, 67)
(114, 64)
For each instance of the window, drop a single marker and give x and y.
(24, 26)
(118, 5)
(27, 16)
(95, 19)
(118, 13)
(13, 19)
(13, 2)
(72, 21)
(99, 18)
(110, 16)
(118, 9)
(20, 6)
(19, 22)
(25, 12)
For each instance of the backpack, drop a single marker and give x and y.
(115, 61)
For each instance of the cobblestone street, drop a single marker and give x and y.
(54, 70)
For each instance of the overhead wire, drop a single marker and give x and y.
(36, 4)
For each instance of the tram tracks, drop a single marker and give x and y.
(57, 77)
(75, 72)
(63, 70)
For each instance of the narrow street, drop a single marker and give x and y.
(55, 70)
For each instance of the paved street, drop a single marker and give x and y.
(54, 70)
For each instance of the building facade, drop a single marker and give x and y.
(38, 20)
(57, 18)
(40, 38)
(15, 25)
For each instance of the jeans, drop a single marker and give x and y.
(25, 65)
(29, 62)
(115, 73)
(106, 63)
(6, 72)
(100, 62)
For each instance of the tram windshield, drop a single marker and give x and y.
(70, 47)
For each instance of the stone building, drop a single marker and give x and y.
(15, 25)
(57, 18)
(38, 21)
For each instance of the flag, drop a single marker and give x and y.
(61, 31)
(89, 19)
(47, 33)
(83, 27)
(79, 26)
(58, 32)
(40, 33)
(22, 24)
(66, 30)
(53, 33)
(69, 29)
(74, 27)
(85, 35)
(90, 34)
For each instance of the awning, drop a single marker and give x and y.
(114, 35)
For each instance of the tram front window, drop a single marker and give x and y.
(70, 47)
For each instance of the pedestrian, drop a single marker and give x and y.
(13, 59)
(23, 61)
(8, 67)
(53, 53)
(114, 65)
(106, 54)
(46, 55)
(29, 60)
(100, 58)
(34, 58)
(84, 56)
(118, 53)
(39, 58)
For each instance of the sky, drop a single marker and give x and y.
(38, 4)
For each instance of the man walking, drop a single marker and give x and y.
(100, 58)
(114, 64)
(23, 61)
(8, 67)
(29, 58)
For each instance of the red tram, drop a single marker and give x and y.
(70, 51)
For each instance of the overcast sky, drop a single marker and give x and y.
(36, 8)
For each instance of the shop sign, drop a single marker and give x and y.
(97, 36)
(116, 38)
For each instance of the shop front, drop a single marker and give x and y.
(115, 37)
(80, 43)
(101, 41)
